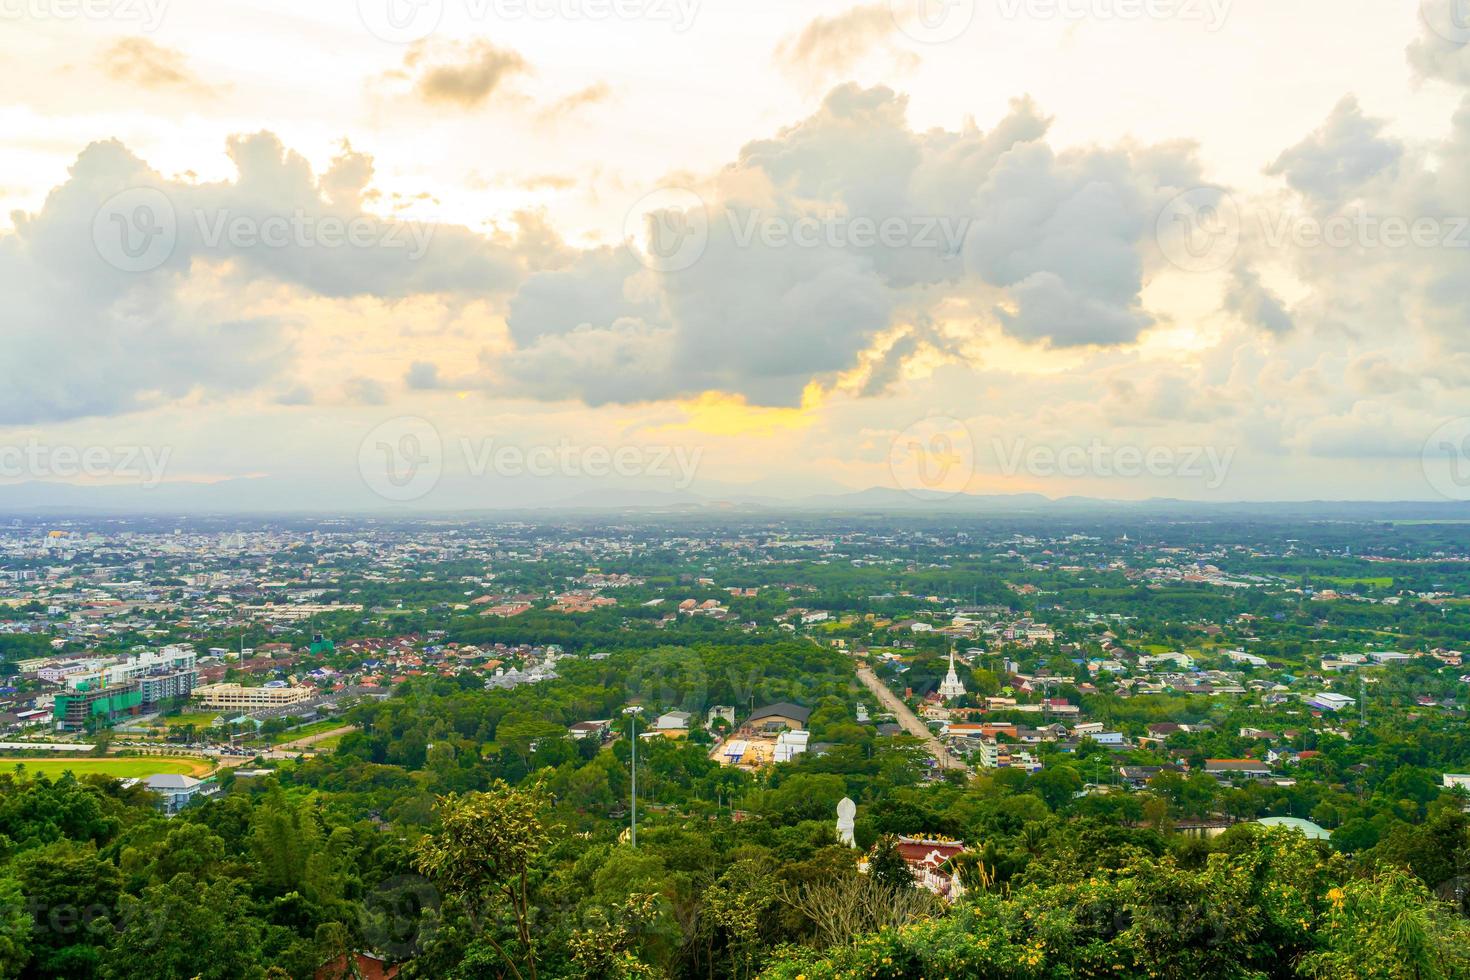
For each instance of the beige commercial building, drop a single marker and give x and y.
(250, 698)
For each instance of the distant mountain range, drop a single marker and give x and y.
(267, 495)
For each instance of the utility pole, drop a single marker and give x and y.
(633, 713)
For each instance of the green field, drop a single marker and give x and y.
(1376, 582)
(198, 720)
(120, 767)
(306, 731)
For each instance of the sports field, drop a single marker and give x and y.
(122, 767)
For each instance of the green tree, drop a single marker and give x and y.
(887, 865)
(186, 930)
(484, 848)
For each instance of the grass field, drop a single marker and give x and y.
(306, 731)
(197, 720)
(1376, 582)
(122, 767)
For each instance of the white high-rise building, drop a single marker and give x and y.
(951, 688)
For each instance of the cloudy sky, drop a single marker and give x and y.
(449, 252)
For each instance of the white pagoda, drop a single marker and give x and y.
(951, 688)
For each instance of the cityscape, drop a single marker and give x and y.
(987, 699)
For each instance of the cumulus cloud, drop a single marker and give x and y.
(1249, 299)
(464, 75)
(830, 47)
(144, 63)
(423, 376)
(127, 336)
(1339, 157)
(1441, 50)
(365, 391)
(841, 228)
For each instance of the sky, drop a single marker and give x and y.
(432, 254)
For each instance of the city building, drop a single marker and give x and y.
(176, 791)
(1330, 701)
(161, 674)
(1223, 769)
(241, 698)
(74, 710)
(790, 744)
(774, 717)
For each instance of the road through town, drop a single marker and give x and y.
(907, 720)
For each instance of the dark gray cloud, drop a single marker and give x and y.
(1255, 304)
(1063, 237)
(127, 331)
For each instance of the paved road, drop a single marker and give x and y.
(286, 750)
(310, 740)
(909, 721)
